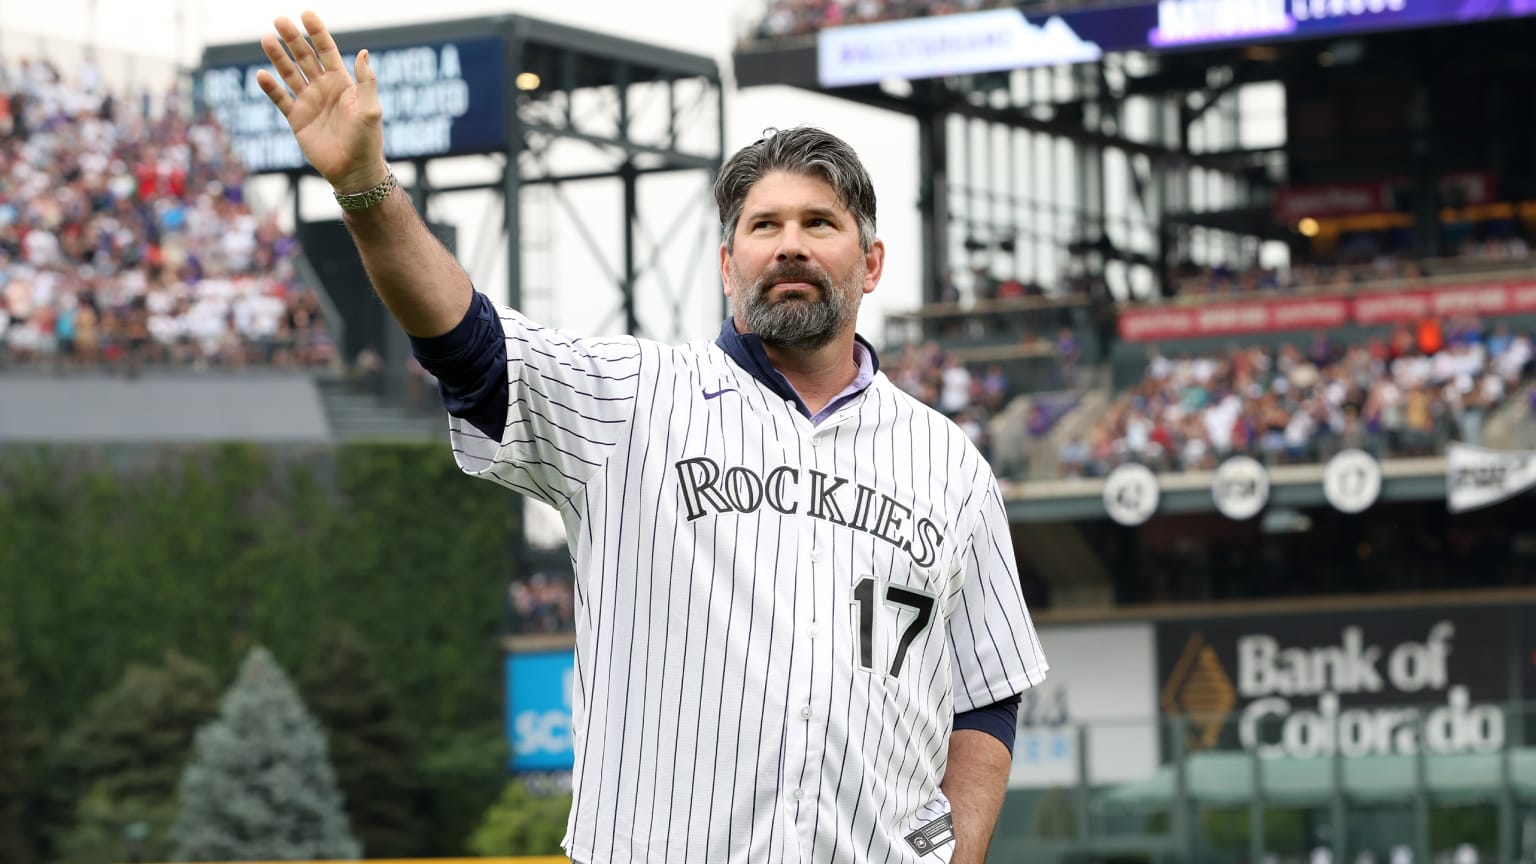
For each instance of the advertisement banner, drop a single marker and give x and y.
(1458, 188)
(539, 686)
(1183, 24)
(945, 45)
(441, 98)
(1335, 199)
(999, 40)
(1305, 685)
(1477, 477)
(1281, 314)
(1101, 677)
(1229, 319)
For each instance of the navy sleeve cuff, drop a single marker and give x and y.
(1000, 720)
(470, 364)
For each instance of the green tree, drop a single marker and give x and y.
(370, 748)
(119, 766)
(522, 823)
(464, 772)
(110, 830)
(19, 747)
(136, 739)
(260, 785)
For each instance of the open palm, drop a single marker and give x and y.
(337, 121)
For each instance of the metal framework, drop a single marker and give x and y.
(603, 109)
(1054, 174)
(1120, 170)
(588, 115)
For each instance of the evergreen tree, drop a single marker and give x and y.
(370, 748)
(135, 740)
(260, 784)
(19, 747)
(119, 766)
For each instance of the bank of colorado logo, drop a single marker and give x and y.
(1290, 702)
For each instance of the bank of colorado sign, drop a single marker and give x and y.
(1356, 683)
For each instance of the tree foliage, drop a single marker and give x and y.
(370, 749)
(522, 823)
(20, 744)
(117, 769)
(260, 785)
(109, 558)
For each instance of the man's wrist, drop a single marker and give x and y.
(366, 197)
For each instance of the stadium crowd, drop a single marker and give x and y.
(1356, 264)
(787, 18)
(970, 397)
(126, 239)
(1407, 394)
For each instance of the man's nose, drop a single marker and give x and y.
(791, 243)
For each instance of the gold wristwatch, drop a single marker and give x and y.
(368, 197)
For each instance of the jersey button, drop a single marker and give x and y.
(818, 555)
(811, 631)
(797, 794)
(806, 712)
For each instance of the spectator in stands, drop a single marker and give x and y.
(125, 238)
(542, 603)
(954, 388)
(1283, 405)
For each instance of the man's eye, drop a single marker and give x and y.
(758, 225)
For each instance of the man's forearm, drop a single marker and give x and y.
(423, 287)
(974, 783)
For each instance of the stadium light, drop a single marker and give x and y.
(528, 81)
(1309, 227)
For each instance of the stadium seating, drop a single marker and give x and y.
(126, 239)
(1406, 395)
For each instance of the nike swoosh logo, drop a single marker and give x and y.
(709, 395)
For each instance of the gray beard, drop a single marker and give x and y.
(804, 324)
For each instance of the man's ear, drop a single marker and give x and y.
(725, 269)
(874, 265)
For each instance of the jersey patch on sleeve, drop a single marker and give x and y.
(933, 835)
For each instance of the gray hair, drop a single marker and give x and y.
(801, 150)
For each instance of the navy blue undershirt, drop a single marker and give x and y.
(470, 364)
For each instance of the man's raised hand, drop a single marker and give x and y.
(337, 121)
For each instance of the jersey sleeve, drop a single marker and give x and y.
(993, 645)
(570, 401)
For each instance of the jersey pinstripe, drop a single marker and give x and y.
(776, 622)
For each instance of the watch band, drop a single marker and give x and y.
(368, 197)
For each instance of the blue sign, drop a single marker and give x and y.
(539, 688)
(439, 99)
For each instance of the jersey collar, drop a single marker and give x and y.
(748, 352)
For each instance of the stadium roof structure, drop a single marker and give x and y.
(539, 97)
(604, 53)
(546, 107)
(1158, 156)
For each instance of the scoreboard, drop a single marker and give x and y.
(443, 98)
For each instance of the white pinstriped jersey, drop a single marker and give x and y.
(775, 622)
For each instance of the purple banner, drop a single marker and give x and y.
(1179, 24)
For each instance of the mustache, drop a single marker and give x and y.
(794, 272)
